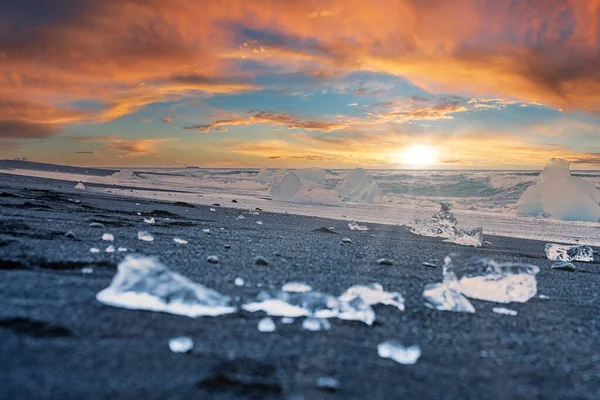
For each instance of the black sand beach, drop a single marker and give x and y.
(58, 342)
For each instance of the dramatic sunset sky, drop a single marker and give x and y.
(333, 83)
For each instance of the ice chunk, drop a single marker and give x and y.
(439, 296)
(122, 249)
(444, 225)
(328, 384)
(241, 217)
(561, 252)
(485, 279)
(94, 250)
(150, 220)
(286, 186)
(287, 320)
(563, 265)
(316, 324)
(259, 222)
(212, 209)
(180, 241)
(354, 226)
(504, 311)
(206, 230)
(356, 310)
(145, 236)
(87, 270)
(396, 351)
(266, 325)
(80, 186)
(373, 294)
(561, 196)
(181, 344)
(286, 304)
(238, 282)
(108, 237)
(359, 186)
(110, 249)
(143, 283)
(212, 259)
(297, 287)
(96, 225)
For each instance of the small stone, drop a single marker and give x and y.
(385, 261)
(238, 282)
(266, 325)
(70, 235)
(241, 217)
(181, 344)
(260, 260)
(428, 264)
(328, 384)
(212, 259)
(325, 230)
(564, 266)
(234, 201)
(212, 209)
(346, 240)
(227, 246)
(96, 225)
(108, 237)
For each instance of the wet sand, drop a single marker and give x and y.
(57, 341)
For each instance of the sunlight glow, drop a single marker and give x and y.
(419, 154)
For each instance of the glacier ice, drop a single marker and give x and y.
(266, 325)
(145, 236)
(440, 296)
(485, 279)
(181, 344)
(316, 324)
(297, 287)
(354, 226)
(562, 252)
(561, 196)
(444, 225)
(373, 294)
(360, 187)
(80, 186)
(504, 311)
(144, 283)
(394, 350)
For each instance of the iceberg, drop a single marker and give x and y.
(396, 351)
(285, 187)
(264, 175)
(444, 225)
(561, 196)
(485, 279)
(360, 187)
(143, 283)
(560, 252)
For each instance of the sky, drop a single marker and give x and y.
(483, 84)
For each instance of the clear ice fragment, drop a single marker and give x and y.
(181, 344)
(108, 237)
(180, 241)
(206, 230)
(439, 296)
(110, 249)
(316, 324)
(287, 320)
(87, 270)
(259, 222)
(373, 294)
(122, 249)
(297, 287)
(150, 220)
(286, 304)
(564, 266)
(266, 325)
(143, 283)
(238, 282)
(80, 186)
(94, 250)
(241, 217)
(485, 279)
(504, 311)
(145, 236)
(561, 252)
(354, 226)
(396, 351)
(356, 310)
(444, 225)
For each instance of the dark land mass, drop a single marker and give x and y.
(58, 342)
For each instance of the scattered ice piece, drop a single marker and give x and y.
(139, 213)
(150, 220)
(428, 264)
(354, 226)
(255, 213)
(143, 283)
(316, 324)
(260, 260)
(359, 186)
(543, 297)
(373, 294)
(444, 225)
(212, 209)
(212, 259)
(137, 204)
(356, 310)
(328, 384)
(87, 270)
(96, 225)
(94, 250)
(266, 325)
(145, 236)
(108, 237)
(286, 304)
(110, 249)
(80, 185)
(287, 320)
(561, 252)
(564, 266)
(241, 217)
(70, 235)
(122, 249)
(485, 279)
(297, 287)
(181, 344)
(396, 351)
(504, 311)
(180, 241)
(259, 222)
(439, 296)
(206, 230)
(385, 261)
(238, 282)
(346, 240)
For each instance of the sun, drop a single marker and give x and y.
(418, 154)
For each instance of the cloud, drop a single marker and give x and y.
(15, 129)
(168, 119)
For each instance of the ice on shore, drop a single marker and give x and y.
(354, 226)
(444, 225)
(80, 186)
(564, 266)
(504, 311)
(561, 196)
(396, 351)
(485, 279)
(181, 344)
(143, 283)
(239, 282)
(439, 296)
(145, 236)
(316, 324)
(150, 220)
(109, 237)
(110, 249)
(373, 294)
(290, 186)
(360, 187)
(94, 250)
(285, 187)
(266, 325)
(296, 287)
(180, 241)
(561, 252)
(212, 259)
